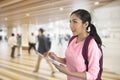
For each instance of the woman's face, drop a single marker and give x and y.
(76, 25)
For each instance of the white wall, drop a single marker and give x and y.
(107, 20)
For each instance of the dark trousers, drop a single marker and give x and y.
(13, 51)
(31, 45)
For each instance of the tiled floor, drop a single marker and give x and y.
(21, 68)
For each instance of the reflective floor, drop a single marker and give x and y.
(21, 67)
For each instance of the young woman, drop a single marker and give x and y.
(80, 22)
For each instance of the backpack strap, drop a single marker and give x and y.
(85, 51)
(71, 39)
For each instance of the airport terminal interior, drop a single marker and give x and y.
(23, 17)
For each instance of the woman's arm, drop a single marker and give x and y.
(61, 60)
(81, 75)
(94, 55)
(55, 57)
(63, 69)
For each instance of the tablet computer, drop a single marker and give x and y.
(51, 60)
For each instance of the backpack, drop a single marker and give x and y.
(85, 53)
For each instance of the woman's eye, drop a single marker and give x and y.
(75, 21)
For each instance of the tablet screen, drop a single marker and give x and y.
(51, 60)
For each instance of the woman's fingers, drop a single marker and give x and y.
(52, 55)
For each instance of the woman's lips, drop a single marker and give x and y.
(73, 31)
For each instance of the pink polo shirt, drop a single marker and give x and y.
(75, 60)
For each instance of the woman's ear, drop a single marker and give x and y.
(86, 24)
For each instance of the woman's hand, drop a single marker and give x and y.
(53, 56)
(63, 69)
(46, 54)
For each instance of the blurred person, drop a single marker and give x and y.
(60, 39)
(32, 42)
(19, 42)
(49, 41)
(43, 49)
(12, 41)
(6, 38)
(0, 38)
(77, 68)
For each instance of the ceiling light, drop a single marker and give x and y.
(27, 14)
(61, 8)
(96, 3)
(49, 19)
(6, 19)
